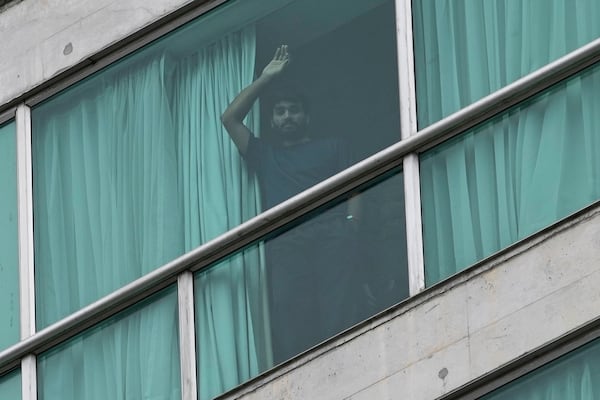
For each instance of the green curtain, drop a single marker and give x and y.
(10, 386)
(132, 169)
(132, 356)
(105, 204)
(466, 49)
(524, 170)
(9, 255)
(218, 194)
(575, 376)
(106, 212)
(511, 177)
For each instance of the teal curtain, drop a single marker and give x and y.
(10, 386)
(132, 356)
(106, 212)
(9, 255)
(575, 376)
(466, 49)
(218, 194)
(132, 169)
(511, 177)
(105, 204)
(524, 170)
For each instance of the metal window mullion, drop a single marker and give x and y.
(408, 127)
(187, 336)
(26, 268)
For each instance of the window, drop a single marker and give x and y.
(301, 285)
(9, 257)
(133, 355)
(136, 165)
(467, 49)
(511, 176)
(132, 167)
(10, 385)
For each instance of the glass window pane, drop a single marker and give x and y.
(467, 49)
(134, 167)
(133, 355)
(512, 176)
(301, 285)
(10, 386)
(574, 376)
(9, 256)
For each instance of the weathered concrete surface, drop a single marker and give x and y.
(458, 331)
(41, 38)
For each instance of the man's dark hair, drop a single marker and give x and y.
(288, 93)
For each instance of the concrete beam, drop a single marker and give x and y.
(40, 39)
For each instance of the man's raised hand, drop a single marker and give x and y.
(279, 62)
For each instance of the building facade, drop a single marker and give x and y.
(451, 252)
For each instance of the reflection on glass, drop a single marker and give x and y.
(465, 50)
(9, 257)
(301, 285)
(511, 176)
(133, 167)
(574, 376)
(133, 355)
(10, 385)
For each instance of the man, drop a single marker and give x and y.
(310, 265)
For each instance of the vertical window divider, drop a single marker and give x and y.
(408, 128)
(187, 336)
(26, 268)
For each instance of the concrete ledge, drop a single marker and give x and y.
(40, 39)
(459, 330)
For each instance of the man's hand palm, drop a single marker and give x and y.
(279, 62)
(275, 67)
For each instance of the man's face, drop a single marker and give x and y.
(289, 119)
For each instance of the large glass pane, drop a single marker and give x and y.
(574, 376)
(511, 176)
(467, 49)
(10, 386)
(133, 166)
(9, 257)
(132, 356)
(301, 285)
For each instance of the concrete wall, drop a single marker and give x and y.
(458, 331)
(41, 38)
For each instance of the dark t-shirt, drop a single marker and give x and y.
(284, 171)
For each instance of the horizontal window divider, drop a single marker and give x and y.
(507, 97)
(526, 363)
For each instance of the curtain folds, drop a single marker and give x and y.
(467, 49)
(524, 170)
(218, 194)
(107, 213)
(131, 171)
(105, 182)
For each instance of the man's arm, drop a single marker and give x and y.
(235, 113)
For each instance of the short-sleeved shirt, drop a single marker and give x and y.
(284, 171)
